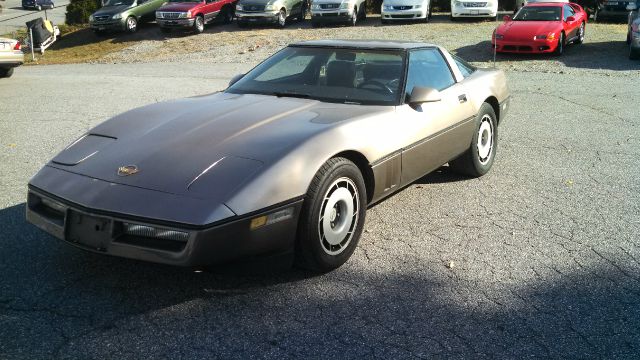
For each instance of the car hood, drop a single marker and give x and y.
(111, 10)
(203, 147)
(402, 2)
(525, 30)
(178, 7)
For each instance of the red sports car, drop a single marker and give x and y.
(541, 27)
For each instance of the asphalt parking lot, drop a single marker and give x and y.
(538, 259)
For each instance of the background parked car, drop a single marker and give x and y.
(37, 4)
(612, 10)
(335, 11)
(541, 27)
(405, 10)
(270, 11)
(193, 14)
(123, 15)
(474, 9)
(633, 31)
(11, 56)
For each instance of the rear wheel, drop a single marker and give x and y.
(227, 16)
(478, 159)
(6, 72)
(332, 216)
(131, 24)
(198, 24)
(581, 34)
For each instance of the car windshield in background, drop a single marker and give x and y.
(539, 13)
(118, 2)
(369, 77)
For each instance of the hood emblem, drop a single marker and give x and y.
(127, 170)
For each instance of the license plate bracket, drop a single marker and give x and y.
(89, 231)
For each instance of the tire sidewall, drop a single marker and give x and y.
(482, 169)
(310, 215)
(134, 28)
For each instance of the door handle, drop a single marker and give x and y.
(462, 98)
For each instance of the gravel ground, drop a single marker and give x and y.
(540, 258)
(230, 44)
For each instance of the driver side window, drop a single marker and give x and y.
(568, 11)
(427, 68)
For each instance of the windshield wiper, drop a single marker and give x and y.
(289, 94)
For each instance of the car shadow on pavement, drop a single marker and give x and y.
(597, 56)
(60, 302)
(441, 176)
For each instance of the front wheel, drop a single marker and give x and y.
(560, 47)
(332, 216)
(354, 17)
(131, 24)
(478, 159)
(198, 24)
(282, 18)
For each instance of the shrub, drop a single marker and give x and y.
(78, 11)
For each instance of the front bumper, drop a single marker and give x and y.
(177, 23)
(404, 14)
(473, 12)
(525, 47)
(331, 16)
(110, 25)
(257, 17)
(100, 232)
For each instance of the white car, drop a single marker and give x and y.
(405, 10)
(474, 9)
(337, 11)
(11, 56)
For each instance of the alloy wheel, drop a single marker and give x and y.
(339, 216)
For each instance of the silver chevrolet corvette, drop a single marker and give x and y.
(286, 160)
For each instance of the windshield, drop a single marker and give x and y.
(118, 2)
(357, 76)
(539, 13)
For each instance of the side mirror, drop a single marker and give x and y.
(420, 95)
(571, 19)
(235, 79)
(632, 7)
(506, 18)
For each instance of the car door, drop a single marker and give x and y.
(211, 9)
(442, 129)
(570, 27)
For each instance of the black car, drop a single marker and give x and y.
(613, 10)
(37, 4)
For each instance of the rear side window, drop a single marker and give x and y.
(465, 68)
(427, 68)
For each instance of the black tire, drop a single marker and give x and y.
(282, 19)
(198, 24)
(354, 17)
(363, 13)
(633, 54)
(628, 38)
(471, 162)
(6, 72)
(561, 44)
(131, 24)
(581, 32)
(313, 250)
(303, 12)
(229, 14)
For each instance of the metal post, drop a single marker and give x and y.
(33, 54)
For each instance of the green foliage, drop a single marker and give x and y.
(78, 11)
